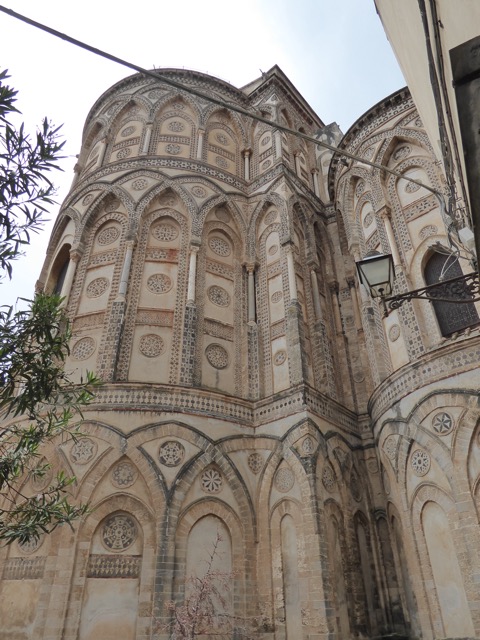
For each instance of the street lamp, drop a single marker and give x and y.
(376, 272)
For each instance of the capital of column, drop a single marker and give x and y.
(314, 171)
(333, 286)
(351, 282)
(250, 266)
(76, 254)
(247, 153)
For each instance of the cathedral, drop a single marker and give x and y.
(253, 392)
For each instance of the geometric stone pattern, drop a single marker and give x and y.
(24, 568)
(113, 566)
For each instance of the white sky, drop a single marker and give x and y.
(334, 51)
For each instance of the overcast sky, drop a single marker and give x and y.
(334, 51)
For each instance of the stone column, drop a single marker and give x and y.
(254, 381)
(192, 274)
(127, 262)
(201, 133)
(251, 293)
(146, 140)
(316, 188)
(75, 256)
(336, 307)
(385, 215)
(278, 145)
(356, 310)
(246, 160)
(316, 296)
(298, 169)
(292, 281)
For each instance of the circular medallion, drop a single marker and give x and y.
(266, 164)
(176, 126)
(127, 132)
(442, 423)
(83, 451)
(211, 481)
(171, 453)
(394, 332)
(401, 153)
(159, 283)
(273, 250)
(219, 246)
(124, 475)
(359, 188)
(420, 462)
(223, 215)
(199, 192)
(87, 199)
(221, 162)
(279, 357)
(271, 217)
(217, 356)
(411, 187)
(112, 204)
(31, 545)
(151, 345)
(173, 149)
(276, 296)
(97, 287)
(284, 480)
(308, 446)
(164, 232)
(139, 184)
(83, 348)
(265, 141)
(368, 220)
(119, 532)
(222, 139)
(218, 295)
(390, 447)
(108, 235)
(255, 462)
(427, 231)
(40, 482)
(124, 153)
(328, 477)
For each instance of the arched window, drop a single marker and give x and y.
(451, 316)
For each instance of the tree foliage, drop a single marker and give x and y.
(38, 401)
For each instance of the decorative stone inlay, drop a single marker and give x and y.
(31, 545)
(266, 164)
(173, 149)
(112, 204)
(139, 184)
(151, 345)
(164, 232)
(171, 453)
(222, 139)
(39, 482)
(359, 188)
(368, 153)
(308, 446)
(265, 141)
(255, 462)
(176, 126)
(411, 187)
(24, 568)
(219, 246)
(368, 220)
(124, 153)
(223, 215)
(394, 332)
(217, 356)
(276, 296)
(418, 122)
(119, 532)
(97, 287)
(127, 131)
(427, 231)
(108, 235)
(159, 283)
(87, 199)
(83, 348)
(83, 451)
(328, 477)
(279, 357)
(211, 481)
(390, 447)
(284, 479)
(113, 566)
(221, 162)
(271, 217)
(442, 423)
(124, 475)
(273, 250)
(218, 295)
(401, 152)
(420, 462)
(199, 192)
